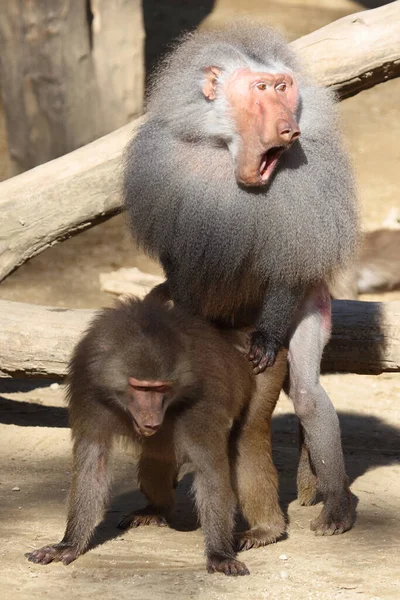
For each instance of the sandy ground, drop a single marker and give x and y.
(154, 563)
(151, 563)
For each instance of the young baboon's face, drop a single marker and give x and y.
(147, 403)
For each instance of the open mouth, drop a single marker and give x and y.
(269, 161)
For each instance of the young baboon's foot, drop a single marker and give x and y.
(144, 516)
(306, 488)
(228, 566)
(336, 515)
(260, 536)
(306, 478)
(61, 552)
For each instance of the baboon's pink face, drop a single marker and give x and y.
(262, 107)
(148, 401)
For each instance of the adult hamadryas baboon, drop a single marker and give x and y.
(239, 184)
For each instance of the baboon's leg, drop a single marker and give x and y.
(309, 334)
(157, 475)
(88, 497)
(256, 476)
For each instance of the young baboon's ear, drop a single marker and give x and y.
(210, 82)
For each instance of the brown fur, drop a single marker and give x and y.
(216, 419)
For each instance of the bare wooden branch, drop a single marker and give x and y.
(37, 341)
(355, 52)
(73, 192)
(55, 200)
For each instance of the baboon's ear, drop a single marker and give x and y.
(209, 88)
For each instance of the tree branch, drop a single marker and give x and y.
(37, 341)
(356, 52)
(60, 198)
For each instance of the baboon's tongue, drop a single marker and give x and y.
(269, 161)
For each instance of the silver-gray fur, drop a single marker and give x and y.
(184, 202)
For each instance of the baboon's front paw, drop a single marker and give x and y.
(57, 552)
(263, 351)
(228, 566)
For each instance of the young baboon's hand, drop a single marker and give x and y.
(61, 552)
(263, 351)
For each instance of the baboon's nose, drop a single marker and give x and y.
(149, 430)
(288, 132)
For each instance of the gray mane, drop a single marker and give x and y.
(182, 196)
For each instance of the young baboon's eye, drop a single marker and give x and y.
(261, 86)
(281, 87)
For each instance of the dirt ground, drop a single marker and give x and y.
(153, 563)
(156, 564)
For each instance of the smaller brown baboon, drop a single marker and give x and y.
(148, 371)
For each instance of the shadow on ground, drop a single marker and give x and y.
(368, 443)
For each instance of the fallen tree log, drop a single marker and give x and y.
(37, 341)
(60, 198)
(74, 192)
(355, 52)
(365, 338)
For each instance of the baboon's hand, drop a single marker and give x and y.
(263, 351)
